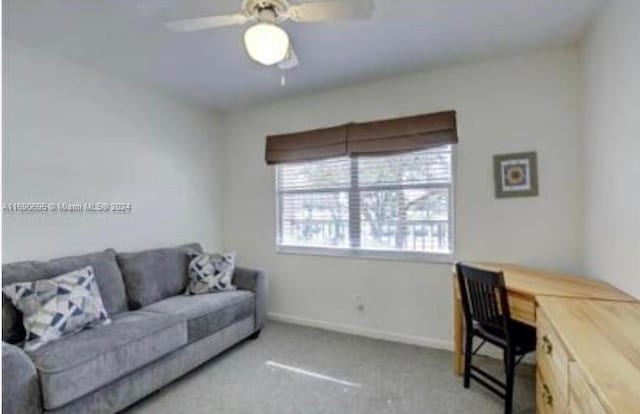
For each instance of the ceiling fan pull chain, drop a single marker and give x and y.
(283, 80)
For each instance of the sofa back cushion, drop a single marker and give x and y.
(107, 274)
(153, 275)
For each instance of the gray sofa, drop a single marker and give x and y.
(157, 334)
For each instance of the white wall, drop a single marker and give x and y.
(611, 79)
(73, 135)
(521, 103)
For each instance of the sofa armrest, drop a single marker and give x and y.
(20, 384)
(255, 281)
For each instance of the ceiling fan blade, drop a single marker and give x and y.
(210, 22)
(331, 10)
(291, 61)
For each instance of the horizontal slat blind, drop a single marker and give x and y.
(416, 168)
(398, 202)
(315, 175)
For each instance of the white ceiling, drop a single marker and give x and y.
(127, 39)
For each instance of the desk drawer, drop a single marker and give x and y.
(552, 358)
(547, 398)
(581, 399)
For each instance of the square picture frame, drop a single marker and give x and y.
(516, 174)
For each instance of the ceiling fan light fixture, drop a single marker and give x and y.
(266, 43)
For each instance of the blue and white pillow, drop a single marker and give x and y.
(53, 308)
(210, 273)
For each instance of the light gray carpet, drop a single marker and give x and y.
(292, 369)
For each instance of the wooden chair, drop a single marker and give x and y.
(485, 307)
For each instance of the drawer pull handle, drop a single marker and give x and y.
(546, 395)
(547, 347)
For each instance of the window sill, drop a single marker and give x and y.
(441, 258)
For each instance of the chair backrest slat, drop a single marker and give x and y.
(484, 297)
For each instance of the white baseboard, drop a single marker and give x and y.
(357, 330)
(383, 335)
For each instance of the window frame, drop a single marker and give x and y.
(382, 254)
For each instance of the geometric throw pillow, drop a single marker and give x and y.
(53, 308)
(210, 273)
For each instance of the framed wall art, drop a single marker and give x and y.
(516, 175)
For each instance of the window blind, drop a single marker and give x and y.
(307, 145)
(392, 203)
(364, 138)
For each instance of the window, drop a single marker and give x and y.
(388, 206)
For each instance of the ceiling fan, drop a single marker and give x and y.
(268, 43)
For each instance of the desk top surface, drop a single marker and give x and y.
(603, 337)
(535, 282)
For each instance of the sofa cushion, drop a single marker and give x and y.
(152, 275)
(107, 275)
(207, 313)
(78, 364)
(53, 308)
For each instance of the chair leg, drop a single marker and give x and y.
(510, 367)
(468, 353)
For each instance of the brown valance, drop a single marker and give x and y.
(402, 134)
(377, 137)
(308, 145)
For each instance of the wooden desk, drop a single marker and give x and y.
(589, 362)
(524, 285)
